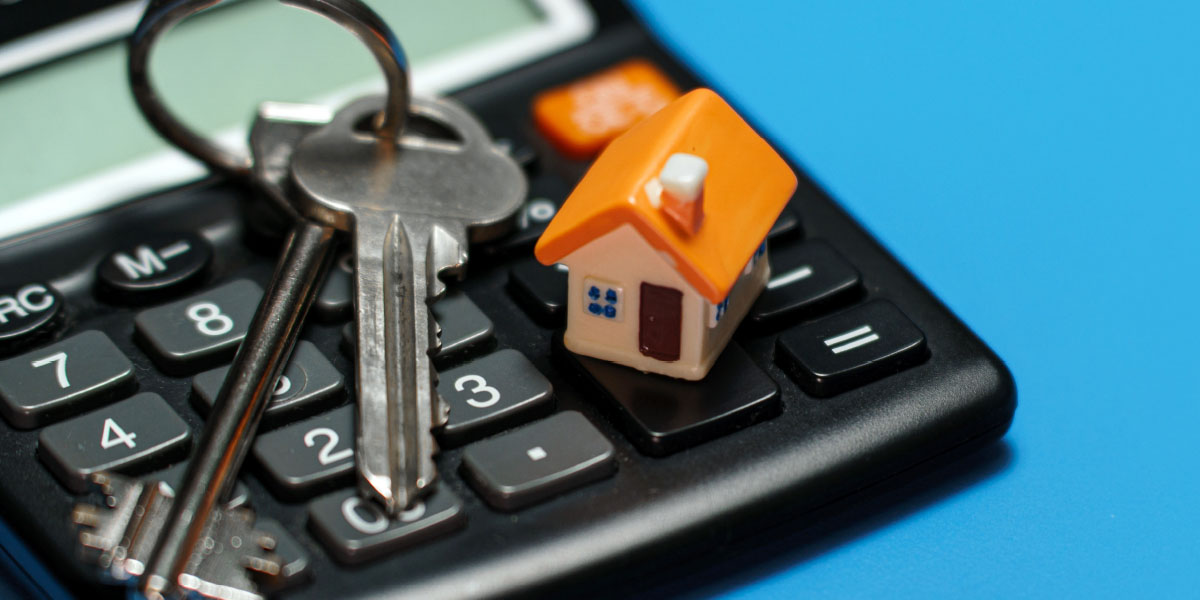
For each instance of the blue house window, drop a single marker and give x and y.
(602, 299)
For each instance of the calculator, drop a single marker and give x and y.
(559, 474)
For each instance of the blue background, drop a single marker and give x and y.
(1036, 164)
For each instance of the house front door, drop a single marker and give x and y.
(660, 320)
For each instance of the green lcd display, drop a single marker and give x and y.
(74, 118)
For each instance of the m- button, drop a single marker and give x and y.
(850, 348)
(27, 312)
(154, 267)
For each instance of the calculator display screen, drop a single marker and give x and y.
(72, 140)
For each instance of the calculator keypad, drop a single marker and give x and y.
(136, 434)
(201, 331)
(62, 378)
(805, 279)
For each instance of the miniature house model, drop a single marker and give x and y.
(664, 238)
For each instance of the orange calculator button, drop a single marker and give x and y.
(583, 116)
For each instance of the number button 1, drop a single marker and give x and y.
(136, 434)
(62, 378)
(492, 393)
(200, 331)
(312, 455)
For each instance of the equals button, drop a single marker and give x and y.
(851, 348)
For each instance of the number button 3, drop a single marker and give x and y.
(63, 378)
(492, 393)
(310, 456)
(201, 331)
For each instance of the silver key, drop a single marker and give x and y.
(411, 209)
(174, 549)
(121, 538)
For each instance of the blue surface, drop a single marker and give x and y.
(1037, 165)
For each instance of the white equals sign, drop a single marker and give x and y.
(851, 339)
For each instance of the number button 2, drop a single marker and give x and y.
(492, 393)
(310, 456)
(201, 331)
(63, 378)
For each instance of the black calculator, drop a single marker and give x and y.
(560, 474)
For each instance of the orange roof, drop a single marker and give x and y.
(748, 185)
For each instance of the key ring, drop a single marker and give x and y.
(353, 15)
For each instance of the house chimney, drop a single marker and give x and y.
(682, 180)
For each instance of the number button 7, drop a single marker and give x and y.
(62, 379)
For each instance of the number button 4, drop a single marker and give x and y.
(201, 331)
(492, 393)
(62, 378)
(136, 434)
(310, 456)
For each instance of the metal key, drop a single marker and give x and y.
(411, 208)
(168, 534)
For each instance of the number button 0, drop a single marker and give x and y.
(62, 378)
(355, 530)
(304, 458)
(136, 434)
(201, 331)
(492, 393)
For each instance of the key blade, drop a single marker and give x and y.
(395, 444)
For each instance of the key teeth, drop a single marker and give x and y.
(228, 563)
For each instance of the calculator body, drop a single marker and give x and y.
(663, 510)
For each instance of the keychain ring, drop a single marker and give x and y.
(353, 15)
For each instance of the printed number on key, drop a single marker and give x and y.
(59, 360)
(209, 319)
(326, 454)
(113, 435)
(478, 386)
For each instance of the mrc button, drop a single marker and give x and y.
(155, 266)
(27, 313)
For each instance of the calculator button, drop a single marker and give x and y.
(200, 331)
(541, 290)
(786, 225)
(335, 301)
(805, 278)
(355, 530)
(173, 477)
(153, 267)
(492, 393)
(308, 383)
(580, 118)
(312, 455)
(294, 564)
(850, 348)
(465, 328)
(135, 434)
(63, 378)
(661, 415)
(28, 313)
(531, 222)
(538, 461)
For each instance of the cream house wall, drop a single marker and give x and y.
(625, 259)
